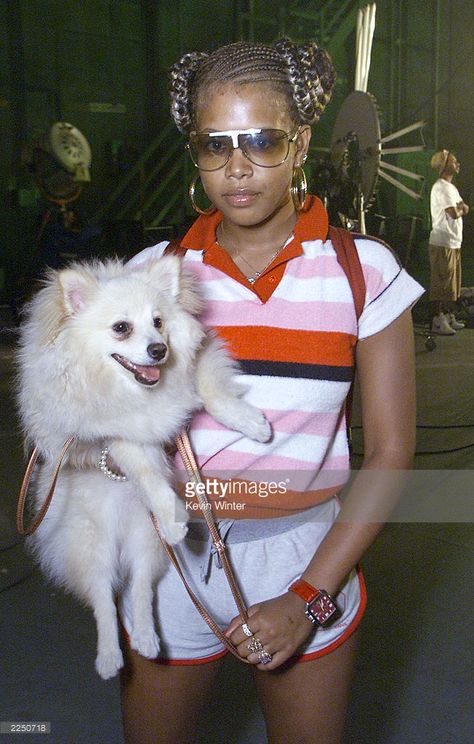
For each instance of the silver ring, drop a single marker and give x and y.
(265, 657)
(255, 645)
(246, 630)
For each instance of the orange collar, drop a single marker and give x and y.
(312, 224)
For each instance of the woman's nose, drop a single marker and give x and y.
(238, 165)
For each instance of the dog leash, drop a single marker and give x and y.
(187, 455)
(20, 509)
(185, 450)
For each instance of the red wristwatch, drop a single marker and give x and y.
(320, 606)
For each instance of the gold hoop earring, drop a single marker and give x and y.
(192, 189)
(298, 188)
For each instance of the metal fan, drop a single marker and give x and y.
(347, 178)
(356, 156)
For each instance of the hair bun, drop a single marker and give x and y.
(182, 75)
(311, 74)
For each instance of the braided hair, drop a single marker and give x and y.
(304, 74)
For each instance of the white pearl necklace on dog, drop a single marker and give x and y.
(102, 465)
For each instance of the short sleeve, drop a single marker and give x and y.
(389, 288)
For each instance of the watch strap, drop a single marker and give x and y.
(304, 590)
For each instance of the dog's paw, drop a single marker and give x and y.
(108, 664)
(173, 531)
(252, 423)
(145, 642)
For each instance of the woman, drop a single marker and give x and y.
(278, 296)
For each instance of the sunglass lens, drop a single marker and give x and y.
(209, 153)
(267, 148)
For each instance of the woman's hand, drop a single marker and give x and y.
(279, 624)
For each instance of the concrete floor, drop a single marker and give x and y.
(413, 681)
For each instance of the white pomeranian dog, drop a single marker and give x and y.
(115, 355)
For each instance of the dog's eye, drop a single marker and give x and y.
(122, 327)
(157, 322)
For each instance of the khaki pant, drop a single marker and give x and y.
(445, 280)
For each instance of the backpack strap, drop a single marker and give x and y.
(348, 259)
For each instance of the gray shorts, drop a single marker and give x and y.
(267, 555)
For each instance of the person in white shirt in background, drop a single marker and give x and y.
(447, 211)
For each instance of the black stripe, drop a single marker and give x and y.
(297, 370)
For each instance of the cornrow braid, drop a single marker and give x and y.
(311, 75)
(181, 75)
(305, 75)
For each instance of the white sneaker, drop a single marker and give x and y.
(440, 324)
(454, 322)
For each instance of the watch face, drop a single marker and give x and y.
(321, 609)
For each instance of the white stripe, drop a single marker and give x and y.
(304, 447)
(291, 288)
(218, 287)
(308, 448)
(290, 394)
(315, 248)
(317, 288)
(380, 258)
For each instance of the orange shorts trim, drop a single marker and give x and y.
(299, 659)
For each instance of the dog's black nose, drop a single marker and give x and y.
(157, 351)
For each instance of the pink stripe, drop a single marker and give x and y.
(338, 462)
(306, 316)
(286, 422)
(204, 272)
(244, 461)
(374, 282)
(323, 267)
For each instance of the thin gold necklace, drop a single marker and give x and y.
(252, 278)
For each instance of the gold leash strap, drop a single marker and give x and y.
(20, 509)
(185, 450)
(187, 455)
(200, 608)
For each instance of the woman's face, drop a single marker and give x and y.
(245, 193)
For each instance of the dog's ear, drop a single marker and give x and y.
(189, 295)
(162, 273)
(78, 287)
(168, 275)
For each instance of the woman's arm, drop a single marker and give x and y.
(386, 372)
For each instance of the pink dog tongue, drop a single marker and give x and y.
(151, 374)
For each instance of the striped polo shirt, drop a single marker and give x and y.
(294, 334)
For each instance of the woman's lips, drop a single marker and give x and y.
(240, 198)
